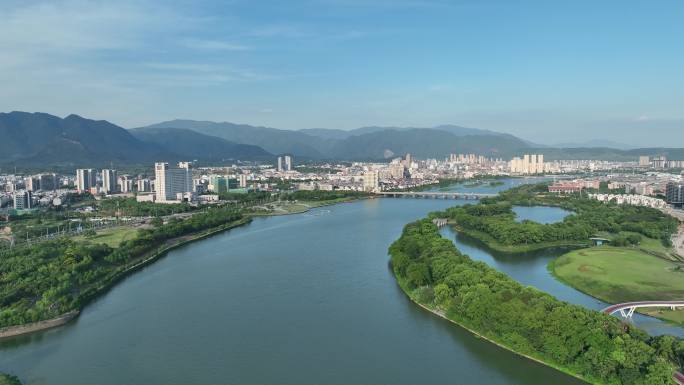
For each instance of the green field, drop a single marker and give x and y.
(616, 274)
(648, 245)
(111, 237)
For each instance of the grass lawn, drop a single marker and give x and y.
(616, 274)
(648, 244)
(112, 237)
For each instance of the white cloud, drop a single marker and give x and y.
(643, 118)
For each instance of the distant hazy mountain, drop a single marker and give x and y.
(361, 143)
(32, 138)
(193, 145)
(38, 139)
(272, 140)
(41, 140)
(424, 143)
(597, 143)
(604, 153)
(344, 134)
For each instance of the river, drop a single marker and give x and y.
(301, 299)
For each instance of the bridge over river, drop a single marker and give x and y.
(627, 309)
(435, 195)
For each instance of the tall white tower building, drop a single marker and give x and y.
(170, 181)
(85, 179)
(109, 181)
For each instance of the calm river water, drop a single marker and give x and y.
(302, 299)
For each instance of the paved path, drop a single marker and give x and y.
(678, 242)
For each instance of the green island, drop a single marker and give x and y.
(639, 244)
(493, 221)
(595, 347)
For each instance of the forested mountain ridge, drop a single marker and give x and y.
(40, 139)
(366, 143)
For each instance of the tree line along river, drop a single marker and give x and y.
(301, 299)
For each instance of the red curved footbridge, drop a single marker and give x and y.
(627, 309)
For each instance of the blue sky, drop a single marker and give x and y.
(547, 71)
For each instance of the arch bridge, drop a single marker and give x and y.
(626, 309)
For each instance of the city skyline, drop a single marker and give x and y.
(523, 70)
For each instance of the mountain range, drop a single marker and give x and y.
(39, 140)
(366, 143)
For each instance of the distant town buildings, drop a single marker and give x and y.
(630, 199)
(221, 184)
(660, 162)
(528, 164)
(566, 187)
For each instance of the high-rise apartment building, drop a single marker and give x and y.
(659, 162)
(528, 164)
(674, 194)
(371, 181)
(125, 184)
(23, 200)
(285, 163)
(171, 181)
(85, 179)
(644, 161)
(143, 185)
(48, 182)
(32, 183)
(109, 181)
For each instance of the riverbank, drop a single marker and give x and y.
(92, 293)
(12, 331)
(95, 292)
(404, 287)
(294, 207)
